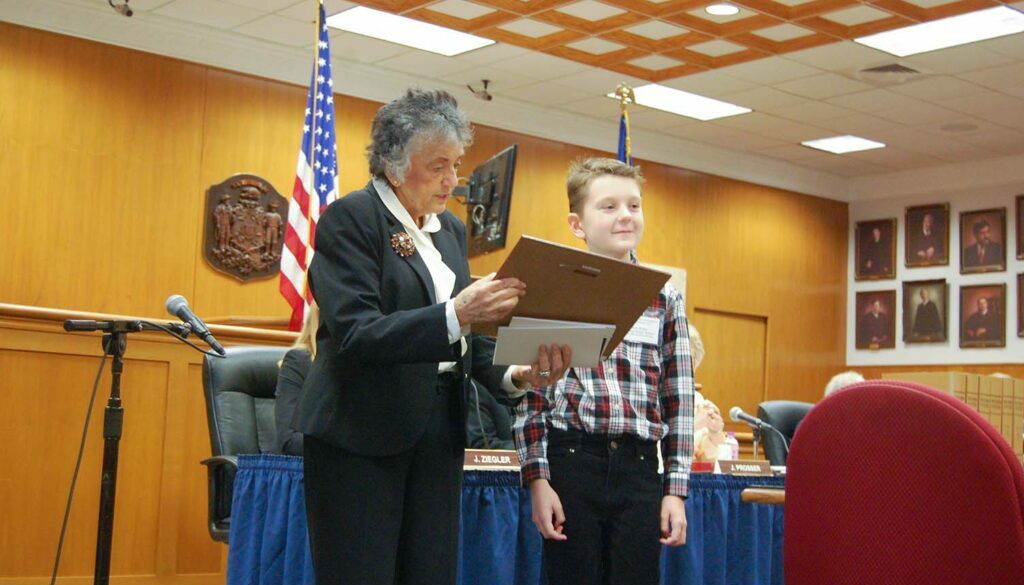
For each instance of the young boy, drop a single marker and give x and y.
(588, 442)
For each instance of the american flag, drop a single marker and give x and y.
(316, 181)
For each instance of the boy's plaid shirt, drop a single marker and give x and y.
(643, 390)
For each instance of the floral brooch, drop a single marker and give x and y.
(403, 244)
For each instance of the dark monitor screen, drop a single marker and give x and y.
(488, 202)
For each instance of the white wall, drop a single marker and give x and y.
(950, 351)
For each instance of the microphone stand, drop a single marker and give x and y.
(115, 340)
(756, 432)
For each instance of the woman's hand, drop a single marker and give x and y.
(488, 300)
(548, 368)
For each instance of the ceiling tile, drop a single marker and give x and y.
(656, 30)
(1010, 46)
(917, 113)
(810, 111)
(492, 54)
(655, 62)
(770, 71)
(546, 94)
(999, 108)
(783, 32)
(460, 9)
(530, 28)
(540, 66)
(596, 46)
(352, 47)
(657, 120)
(768, 125)
(871, 100)
(590, 10)
(281, 30)
(423, 64)
(717, 48)
(305, 12)
(846, 167)
(939, 88)
(957, 60)
(149, 5)
(897, 158)
(599, 81)
(856, 15)
(822, 86)
(708, 83)
(596, 107)
(754, 143)
(500, 81)
(264, 5)
(863, 125)
(844, 55)
(792, 153)
(1001, 141)
(763, 98)
(1001, 77)
(213, 13)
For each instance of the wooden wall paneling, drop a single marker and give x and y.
(50, 394)
(737, 377)
(97, 141)
(196, 551)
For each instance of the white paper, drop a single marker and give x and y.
(518, 342)
(645, 330)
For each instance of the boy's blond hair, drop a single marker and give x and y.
(582, 172)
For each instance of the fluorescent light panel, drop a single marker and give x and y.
(406, 31)
(683, 103)
(843, 144)
(948, 32)
(721, 9)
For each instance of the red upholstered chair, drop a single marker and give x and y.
(896, 483)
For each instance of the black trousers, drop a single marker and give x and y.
(611, 492)
(389, 520)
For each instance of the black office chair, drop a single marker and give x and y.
(239, 392)
(784, 415)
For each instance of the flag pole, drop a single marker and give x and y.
(626, 96)
(311, 157)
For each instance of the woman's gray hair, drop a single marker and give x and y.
(840, 381)
(406, 124)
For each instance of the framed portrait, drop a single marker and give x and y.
(1020, 227)
(927, 235)
(1020, 305)
(876, 320)
(983, 241)
(983, 315)
(875, 253)
(925, 311)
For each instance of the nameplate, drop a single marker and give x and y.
(493, 459)
(745, 467)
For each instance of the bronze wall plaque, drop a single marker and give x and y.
(243, 231)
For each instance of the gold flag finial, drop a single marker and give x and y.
(625, 94)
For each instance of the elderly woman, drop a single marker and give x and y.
(383, 409)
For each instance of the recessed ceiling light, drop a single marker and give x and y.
(947, 32)
(843, 144)
(406, 31)
(721, 9)
(683, 103)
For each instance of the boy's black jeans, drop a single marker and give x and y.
(611, 493)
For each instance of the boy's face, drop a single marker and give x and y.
(611, 219)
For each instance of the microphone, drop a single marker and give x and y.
(178, 306)
(736, 414)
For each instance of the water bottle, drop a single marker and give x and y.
(734, 445)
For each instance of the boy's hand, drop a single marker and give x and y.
(673, 521)
(548, 516)
(552, 364)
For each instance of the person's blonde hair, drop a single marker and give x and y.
(696, 346)
(307, 336)
(582, 173)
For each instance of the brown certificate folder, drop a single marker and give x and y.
(568, 284)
